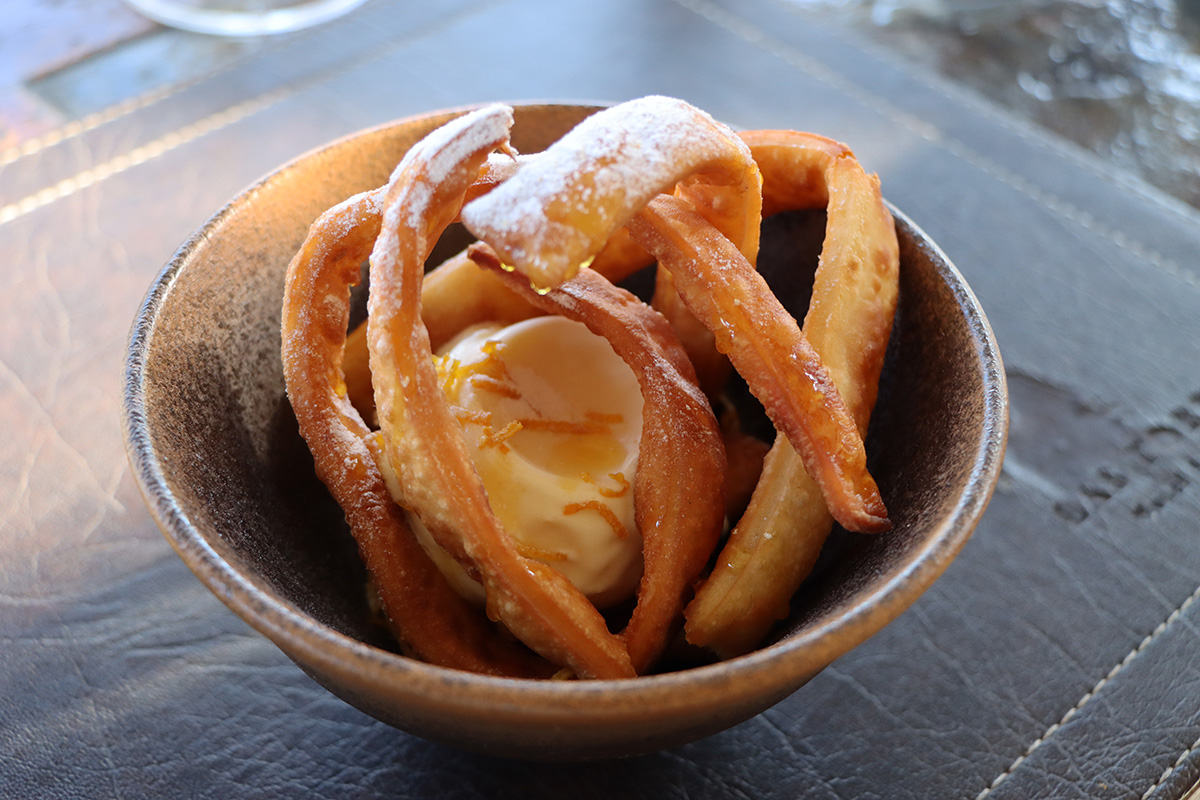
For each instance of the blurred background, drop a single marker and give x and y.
(1120, 78)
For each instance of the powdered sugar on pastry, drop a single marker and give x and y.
(556, 213)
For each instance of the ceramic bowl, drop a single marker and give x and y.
(214, 446)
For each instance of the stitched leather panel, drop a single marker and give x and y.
(123, 676)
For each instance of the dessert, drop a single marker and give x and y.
(552, 418)
(555, 213)
(679, 488)
(552, 226)
(775, 544)
(430, 620)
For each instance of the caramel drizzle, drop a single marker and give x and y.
(603, 510)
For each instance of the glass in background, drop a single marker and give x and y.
(243, 17)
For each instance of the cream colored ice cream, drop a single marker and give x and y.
(553, 418)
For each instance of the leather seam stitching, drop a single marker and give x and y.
(94, 120)
(125, 107)
(1169, 771)
(188, 133)
(138, 155)
(752, 35)
(1083, 701)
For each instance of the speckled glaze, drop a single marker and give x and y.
(213, 443)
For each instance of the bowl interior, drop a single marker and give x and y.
(215, 446)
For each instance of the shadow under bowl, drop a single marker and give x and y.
(215, 448)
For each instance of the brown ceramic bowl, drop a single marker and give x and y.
(214, 445)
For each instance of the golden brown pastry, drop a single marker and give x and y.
(650, 179)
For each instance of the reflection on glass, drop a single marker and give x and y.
(243, 17)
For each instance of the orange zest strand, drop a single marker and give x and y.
(603, 510)
(471, 416)
(620, 491)
(488, 373)
(449, 374)
(493, 364)
(562, 426)
(545, 556)
(497, 438)
(490, 384)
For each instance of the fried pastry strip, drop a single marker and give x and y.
(768, 349)
(454, 296)
(774, 546)
(458, 293)
(621, 257)
(794, 166)
(680, 478)
(558, 211)
(744, 455)
(423, 441)
(428, 617)
(700, 343)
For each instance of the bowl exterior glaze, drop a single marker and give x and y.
(214, 446)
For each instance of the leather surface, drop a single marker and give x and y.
(1056, 658)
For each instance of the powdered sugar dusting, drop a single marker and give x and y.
(428, 168)
(608, 167)
(445, 149)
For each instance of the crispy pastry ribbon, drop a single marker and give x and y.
(431, 621)
(679, 487)
(596, 194)
(423, 441)
(557, 212)
(776, 542)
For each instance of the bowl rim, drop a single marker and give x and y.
(799, 656)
